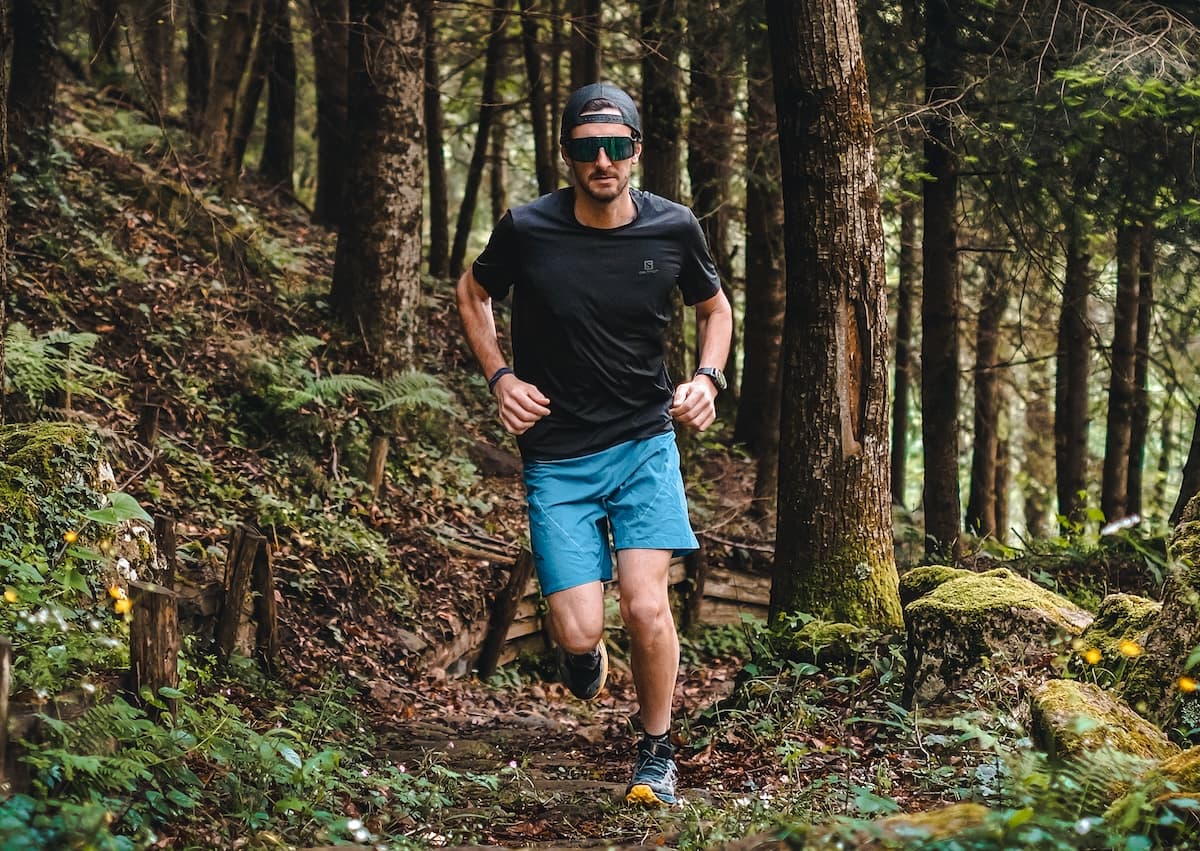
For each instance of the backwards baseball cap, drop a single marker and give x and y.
(580, 98)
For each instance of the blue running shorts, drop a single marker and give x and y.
(633, 489)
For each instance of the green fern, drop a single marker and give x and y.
(54, 362)
(412, 391)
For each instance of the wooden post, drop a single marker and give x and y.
(5, 683)
(154, 641)
(503, 611)
(239, 565)
(266, 632)
(377, 463)
(147, 427)
(164, 541)
(695, 565)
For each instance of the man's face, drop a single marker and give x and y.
(603, 180)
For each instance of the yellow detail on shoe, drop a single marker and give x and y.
(643, 794)
(603, 669)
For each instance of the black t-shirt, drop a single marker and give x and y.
(589, 313)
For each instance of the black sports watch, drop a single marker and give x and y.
(715, 375)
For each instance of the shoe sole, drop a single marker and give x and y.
(642, 794)
(603, 676)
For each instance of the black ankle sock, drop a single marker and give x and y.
(663, 739)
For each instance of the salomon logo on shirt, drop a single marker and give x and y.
(648, 268)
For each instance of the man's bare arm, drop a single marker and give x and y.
(694, 404)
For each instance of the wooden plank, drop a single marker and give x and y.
(535, 643)
(504, 609)
(724, 612)
(737, 586)
(520, 628)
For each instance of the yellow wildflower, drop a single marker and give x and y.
(1129, 648)
(1092, 656)
(10, 595)
(123, 605)
(1186, 684)
(70, 536)
(116, 592)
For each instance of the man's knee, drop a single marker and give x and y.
(645, 614)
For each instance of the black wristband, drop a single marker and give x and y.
(497, 375)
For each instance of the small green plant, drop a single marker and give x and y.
(54, 362)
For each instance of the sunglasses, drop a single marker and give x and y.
(586, 149)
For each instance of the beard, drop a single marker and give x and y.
(605, 192)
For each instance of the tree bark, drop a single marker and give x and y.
(1071, 398)
(940, 287)
(1166, 448)
(330, 45)
(279, 141)
(585, 42)
(905, 299)
(543, 149)
(232, 57)
(1003, 481)
(439, 194)
(103, 34)
(1038, 450)
(498, 168)
(765, 284)
(155, 23)
(710, 154)
(33, 77)
(376, 279)
(981, 504)
(1190, 486)
(154, 641)
(1141, 373)
(1115, 483)
(487, 111)
(251, 93)
(6, 37)
(834, 555)
(199, 63)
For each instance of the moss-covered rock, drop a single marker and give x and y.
(1074, 718)
(902, 831)
(1172, 784)
(973, 617)
(921, 580)
(1120, 618)
(821, 642)
(1152, 685)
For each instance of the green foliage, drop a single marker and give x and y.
(57, 361)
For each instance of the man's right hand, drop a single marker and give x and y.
(521, 404)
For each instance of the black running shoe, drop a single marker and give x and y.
(584, 675)
(654, 775)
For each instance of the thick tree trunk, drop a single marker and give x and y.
(1071, 399)
(279, 141)
(940, 290)
(585, 42)
(981, 504)
(487, 111)
(1141, 373)
(33, 76)
(435, 142)
(1115, 483)
(199, 63)
(498, 168)
(155, 23)
(765, 293)
(251, 94)
(103, 34)
(540, 125)
(906, 286)
(232, 57)
(662, 122)
(330, 44)
(6, 37)
(710, 154)
(376, 279)
(834, 555)
(1038, 454)
(1190, 486)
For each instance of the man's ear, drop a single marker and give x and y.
(562, 152)
(637, 152)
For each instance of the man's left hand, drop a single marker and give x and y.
(694, 404)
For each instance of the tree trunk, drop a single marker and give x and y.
(765, 293)
(1166, 448)
(905, 297)
(104, 35)
(279, 141)
(833, 555)
(662, 117)
(376, 279)
(498, 168)
(199, 63)
(585, 42)
(1003, 481)
(543, 149)
(330, 45)
(981, 505)
(487, 111)
(6, 37)
(251, 93)
(1115, 484)
(1141, 373)
(1038, 450)
(710, 154)
(1070, 395)
(155, 23)
(1190, 486)
(435, 136)
(232, 57)
(33, 76)
(558, 50)
(940, 291)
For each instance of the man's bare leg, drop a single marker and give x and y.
(654, 644)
